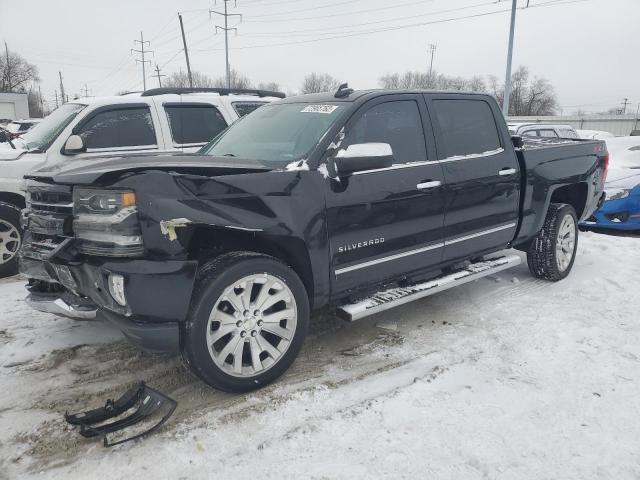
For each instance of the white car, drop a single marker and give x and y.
(542, 130)
(155, 121)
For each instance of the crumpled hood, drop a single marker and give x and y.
(88, 171)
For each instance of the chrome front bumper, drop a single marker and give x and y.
(57, 306)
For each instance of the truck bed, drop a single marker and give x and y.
(551, 163)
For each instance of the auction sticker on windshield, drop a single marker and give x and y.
(319, 108)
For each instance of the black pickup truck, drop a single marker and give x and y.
(361, 200)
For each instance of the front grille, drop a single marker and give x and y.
(48, 218)
(50, 199)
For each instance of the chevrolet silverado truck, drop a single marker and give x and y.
(360, 200)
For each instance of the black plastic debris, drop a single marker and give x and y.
(137, 406)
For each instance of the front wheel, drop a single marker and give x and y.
(247, 322)
(553, 250)
(10, 239)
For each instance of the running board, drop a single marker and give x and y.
(394, 297)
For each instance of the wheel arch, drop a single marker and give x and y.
(207, 242)
(574, 194)
(13, 199)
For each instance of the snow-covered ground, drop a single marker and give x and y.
(507, 377)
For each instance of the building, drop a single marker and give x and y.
(13, 106)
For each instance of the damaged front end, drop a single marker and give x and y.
(83, 254)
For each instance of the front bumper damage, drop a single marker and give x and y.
(158, 293)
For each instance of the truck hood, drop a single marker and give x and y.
(89, 171)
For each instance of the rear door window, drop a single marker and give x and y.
(119, 127)
(547, 132)
(397, 123)
(467, 126)
(194, 124)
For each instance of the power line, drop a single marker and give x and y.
(142, 52)
(226, 29)
(319, 7)
(397, 27)
(340, 14)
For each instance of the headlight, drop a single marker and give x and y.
(106, 222)
(618, 193)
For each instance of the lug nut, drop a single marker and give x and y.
(254, 333)
(260, 322)
(256, 313)
(246, 313)
(238, 323)
(243, 334)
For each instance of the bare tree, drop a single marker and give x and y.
(422, 80)
(319, 82)
(271, 86)
(16, 73)
(35, 104)
(236, 80)
(180, 79)
(529, 96)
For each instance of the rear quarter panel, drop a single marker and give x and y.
(551, 167)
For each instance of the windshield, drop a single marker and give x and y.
(276, 132)
(13, 127)
(46, 131)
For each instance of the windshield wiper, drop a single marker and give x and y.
(228, 155)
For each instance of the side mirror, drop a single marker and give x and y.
(363, 156)
(517, 141)
(74, 145)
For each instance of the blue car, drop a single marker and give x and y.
(621, 210)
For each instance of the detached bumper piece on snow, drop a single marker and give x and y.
(140, 402)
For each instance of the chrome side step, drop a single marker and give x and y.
(394, 297)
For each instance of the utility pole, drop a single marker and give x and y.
(142, 52)
(55, 92)
(62, 95)
(186, 52)
(41, 101)
(432, 49)
(507, 81)
(86, 90)
(158, 75)
(6, 51)
(226, 34)
(625, 102)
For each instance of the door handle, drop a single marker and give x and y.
(507, 171)
(428, 185)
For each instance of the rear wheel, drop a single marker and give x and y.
(247, 322)
(10, 239)
(552, 252)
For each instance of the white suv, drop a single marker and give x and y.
(157, 120)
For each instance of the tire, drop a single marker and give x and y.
(238, 349)
(10, 239)
(553, 250)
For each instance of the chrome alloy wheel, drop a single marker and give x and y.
(565, 243)
(9, 241)
(251, 325)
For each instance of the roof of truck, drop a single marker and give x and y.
(356, 94)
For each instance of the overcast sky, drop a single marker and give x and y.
(589, 50)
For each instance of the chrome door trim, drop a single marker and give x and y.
(396, 256)
(479, 234)
(507, 171)
(389, 258)
(456, 158)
